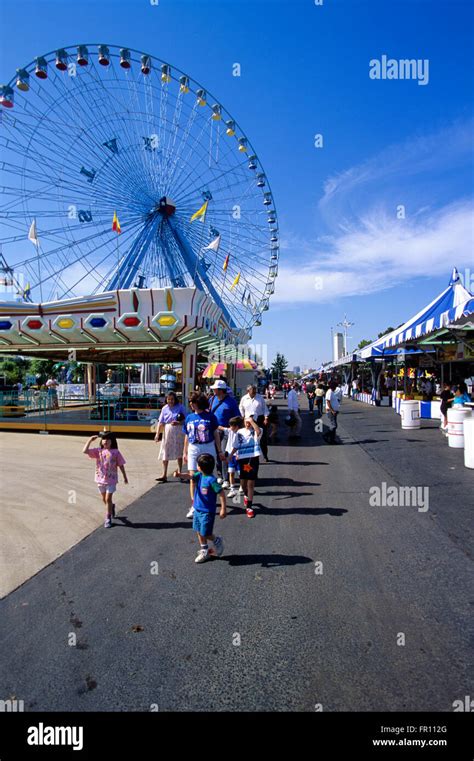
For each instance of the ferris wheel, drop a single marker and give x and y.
(124, 172)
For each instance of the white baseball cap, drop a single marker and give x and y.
(219, 384)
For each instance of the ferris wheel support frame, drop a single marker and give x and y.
(200, 274)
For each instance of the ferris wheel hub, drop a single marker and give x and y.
(166, 207)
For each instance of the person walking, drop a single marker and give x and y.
(52, 387)
(319, 396)
(201, 431)
(170, 432)
(310, 393)
(108, 458)
(294, 410)
(247, 449)
(273, 422)
(254, 405)
(332, 410)
(447, 398)
(206, 489)
(235, 424)
(223, 406)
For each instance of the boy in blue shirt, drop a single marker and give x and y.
(201, 437)
(206, 489)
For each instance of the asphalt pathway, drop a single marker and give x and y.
(320, 601)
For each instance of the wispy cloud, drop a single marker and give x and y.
(367, 247)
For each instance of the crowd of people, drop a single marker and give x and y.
(213, 443)
(220, 439)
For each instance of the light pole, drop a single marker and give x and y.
(345, 324)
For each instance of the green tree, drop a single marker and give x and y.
(11, 370)
(384, 333)
(278, 368)
(41, 367)
(363, 343)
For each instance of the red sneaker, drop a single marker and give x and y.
(250, 512)
(246, 501)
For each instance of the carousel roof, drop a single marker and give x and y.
(140, 325)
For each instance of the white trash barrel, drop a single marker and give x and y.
(410, 413)
(468, 427)
(456, 417)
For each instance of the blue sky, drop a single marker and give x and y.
(386, 143)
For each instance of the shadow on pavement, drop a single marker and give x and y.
(335, 511)
(284, 482)
(366, 441)
(294, 462)
(266, 561)
(125, 523)
(285, 494)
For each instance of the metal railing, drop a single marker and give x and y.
(47, 406)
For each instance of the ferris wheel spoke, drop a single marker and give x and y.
(134, 136)
(104, 140)
(203, 181)
(169, 148)
(184, 138)
(83, 258)
(103, 148)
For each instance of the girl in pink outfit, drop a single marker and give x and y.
(108, 458)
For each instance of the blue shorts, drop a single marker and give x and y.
(232, 466)
(203, 523)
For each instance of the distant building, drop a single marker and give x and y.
(297, 370)
(338, 346)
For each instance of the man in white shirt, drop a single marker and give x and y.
(332, 410)
(254, 405)
(294, 410)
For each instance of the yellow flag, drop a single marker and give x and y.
(236, 280)
(116, 224)
(200, 213)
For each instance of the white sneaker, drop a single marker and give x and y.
(202, 556)
(225, 485)
(219, 480)
(241, 491)
(190, 512)
(232, 492)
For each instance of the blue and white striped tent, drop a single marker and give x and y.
(460, 315)
(449, 306)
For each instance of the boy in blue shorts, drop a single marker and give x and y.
(206, 489)
(247, 448)
(232, 466)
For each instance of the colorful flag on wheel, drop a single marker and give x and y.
(226, 263)
(200, 213)
(33, 235)
(235, 281)
(116, 224)
(213, 245)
